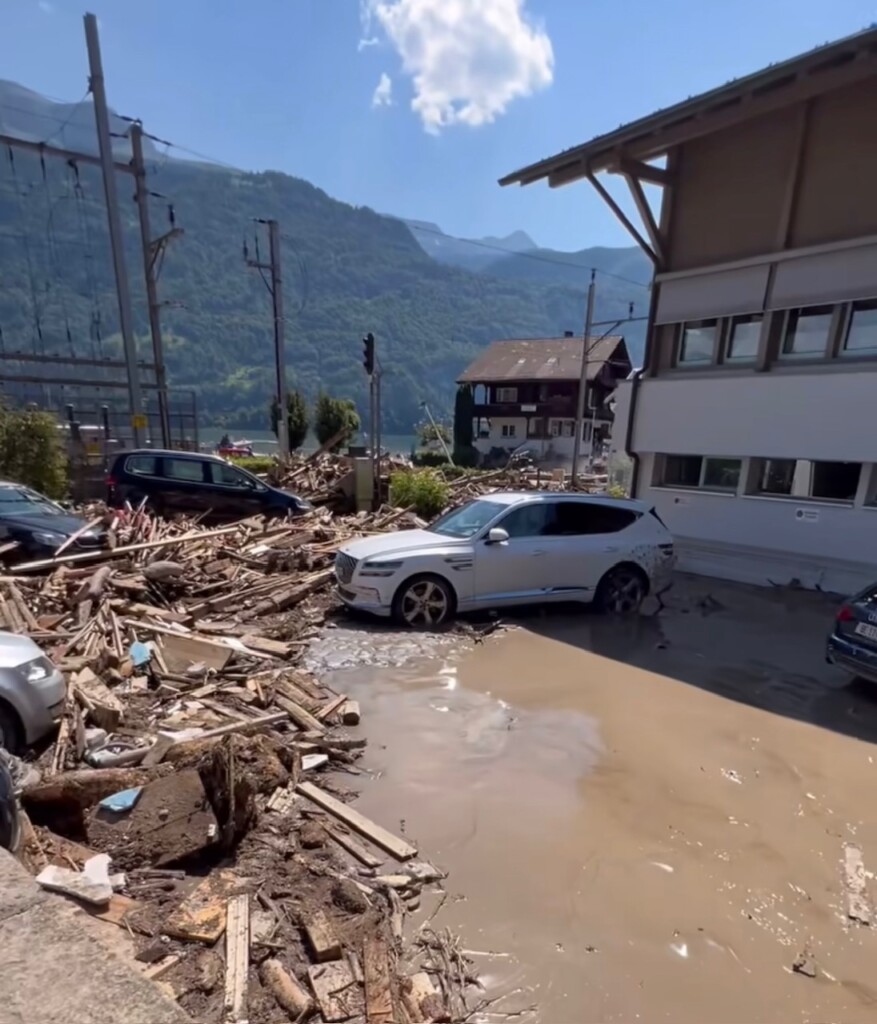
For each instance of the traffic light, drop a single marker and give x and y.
(368, 353)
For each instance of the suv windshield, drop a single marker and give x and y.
(467, 520)
(20, 501)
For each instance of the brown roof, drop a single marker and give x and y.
(777, 85)
(542, 359)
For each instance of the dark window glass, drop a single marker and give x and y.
(697, 343)
(743, 339)
(776, 476)
(721, 474)
(534, 520)
(862, 333)
(836, 481)
(576, 518)
(807, 331)
(142, 465)
(682, 470)
(227, 476)
(189, 470)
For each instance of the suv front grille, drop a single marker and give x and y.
(344, 567)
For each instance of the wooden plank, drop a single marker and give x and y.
(92, 556)
(354, 847)
(116, 911)
(160, 967)
(103, 706)
(201, 917)
(181, 652)
(264, 645)
(323, 941)
(338, 995)
(330, 708)
(855, 884)
(378, 993)
(396, 847)
(303, 719)
(237, 958)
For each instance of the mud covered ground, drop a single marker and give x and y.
(656, 819)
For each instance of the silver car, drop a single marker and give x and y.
(32, 692)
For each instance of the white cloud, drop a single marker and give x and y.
(468, 58)
(366, 42)
(383, 94)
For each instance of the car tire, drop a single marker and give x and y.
(424, 602)
(622, 590)
(11, 738)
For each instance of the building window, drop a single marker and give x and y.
(504, 395)
(508, 429)
(543, 392)
(806, 334)
(861, 336)
(743, 338)
(697, 342)
(702, 472)
(803, 478)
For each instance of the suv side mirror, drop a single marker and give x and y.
(497, 535)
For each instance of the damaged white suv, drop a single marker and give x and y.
(507, 549)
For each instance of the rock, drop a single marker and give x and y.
(346, 896)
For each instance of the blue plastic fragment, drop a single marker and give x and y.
(124, 800)
(140, 653)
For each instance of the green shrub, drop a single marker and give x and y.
(423, 490)
(32, 451)
(428, 457)
(616, 491)
(258, 464)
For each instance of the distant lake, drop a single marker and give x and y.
(265, 443)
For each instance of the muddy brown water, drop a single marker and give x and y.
(646, 820)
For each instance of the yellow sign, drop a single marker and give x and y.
(139, 422)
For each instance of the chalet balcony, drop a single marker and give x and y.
(557, 408)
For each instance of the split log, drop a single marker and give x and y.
(286, 989)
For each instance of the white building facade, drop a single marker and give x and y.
(751, 425)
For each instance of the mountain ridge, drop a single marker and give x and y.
(347, 270)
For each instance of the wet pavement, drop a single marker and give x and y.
(644, 820)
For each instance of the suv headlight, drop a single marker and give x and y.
(37, 670)
(379, 568)
(51, 539)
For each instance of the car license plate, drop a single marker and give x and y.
(863, 629)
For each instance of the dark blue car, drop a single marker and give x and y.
(852, 643)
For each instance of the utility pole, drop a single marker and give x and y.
(126, 318)
(583, 383)
(276, 289)
(152, 250)
(371, 365)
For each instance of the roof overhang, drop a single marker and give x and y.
(821, 70)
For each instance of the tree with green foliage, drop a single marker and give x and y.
(465, 453)
(433, 433)
(296, 418)
(32, 451)
(335, 417)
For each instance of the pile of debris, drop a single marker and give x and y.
(188, 797)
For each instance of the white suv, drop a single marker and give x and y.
(509, 549)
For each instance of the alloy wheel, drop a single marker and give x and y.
(425, 603)
(624, 592)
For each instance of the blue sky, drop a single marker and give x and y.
(413, 107)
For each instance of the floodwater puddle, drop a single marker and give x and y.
(624, 844)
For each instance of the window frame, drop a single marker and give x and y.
(733, 322)
(757, 468)
(508, 431)
(505, 390)
(687, 364)
(700, 486)
(832, 312)
(850, 312)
